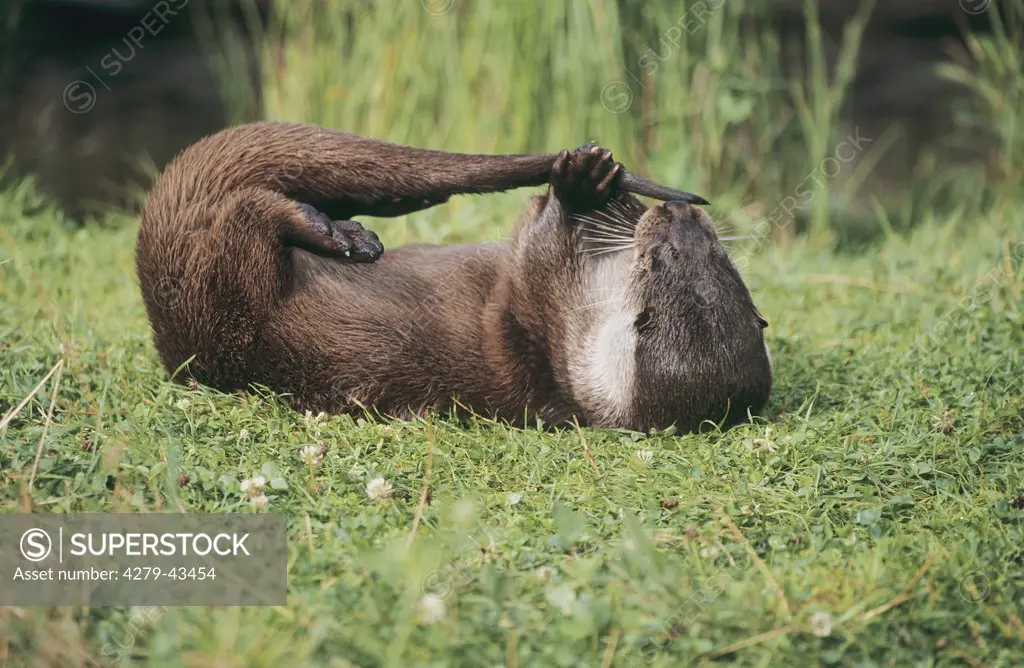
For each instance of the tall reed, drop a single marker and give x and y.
(702, 96)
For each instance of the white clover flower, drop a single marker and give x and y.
(259, 502)
(182, 403)
(645, 456)
(254, 486)
(562, 597)
(514, 498)
(766, 444)
(544, 573)
(313, 420)
(378, 489)
(430, 609)
(821, 624)
(244, 434)
(311, 455)
(709, 552)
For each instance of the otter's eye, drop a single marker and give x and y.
(645, 320)
(655, 259)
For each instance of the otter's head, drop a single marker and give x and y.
(682, 330)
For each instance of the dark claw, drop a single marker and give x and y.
(354, 243)
(561, 166)
(582, 179)
(361, 244)
(606, 184)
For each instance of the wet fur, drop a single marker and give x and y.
(242, 289)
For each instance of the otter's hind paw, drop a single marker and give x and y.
(351, 241)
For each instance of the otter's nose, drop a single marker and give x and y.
(679, 207)
(681, 210)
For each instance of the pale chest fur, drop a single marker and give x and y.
(603, 369)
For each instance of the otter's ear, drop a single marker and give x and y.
(760, 318)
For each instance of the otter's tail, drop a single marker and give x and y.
(345, 175)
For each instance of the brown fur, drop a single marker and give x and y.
(242, 289)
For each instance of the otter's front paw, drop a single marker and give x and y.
(352, 241)
(584, 178)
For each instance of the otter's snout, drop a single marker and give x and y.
(678, 225)
(685, 234)
(679, 208)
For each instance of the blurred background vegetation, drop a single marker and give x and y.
(886, 490)
(745, 102)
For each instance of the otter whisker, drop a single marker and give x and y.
(607, 237)
(607, 223)
(611, 290)
(630, 213)
(617, 229)
(613, 222)
(585, 218)
(620, 215)
(602, 302)
(603, 250)
(619, 243)
(620, 207)
(606, 251)
(597, 255)
(609, 240)
(598, 248)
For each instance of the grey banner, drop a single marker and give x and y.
(153, 559)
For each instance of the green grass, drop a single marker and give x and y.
(883, 489)
(882, 494)
(695, 98)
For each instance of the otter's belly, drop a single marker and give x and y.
(401, 335)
